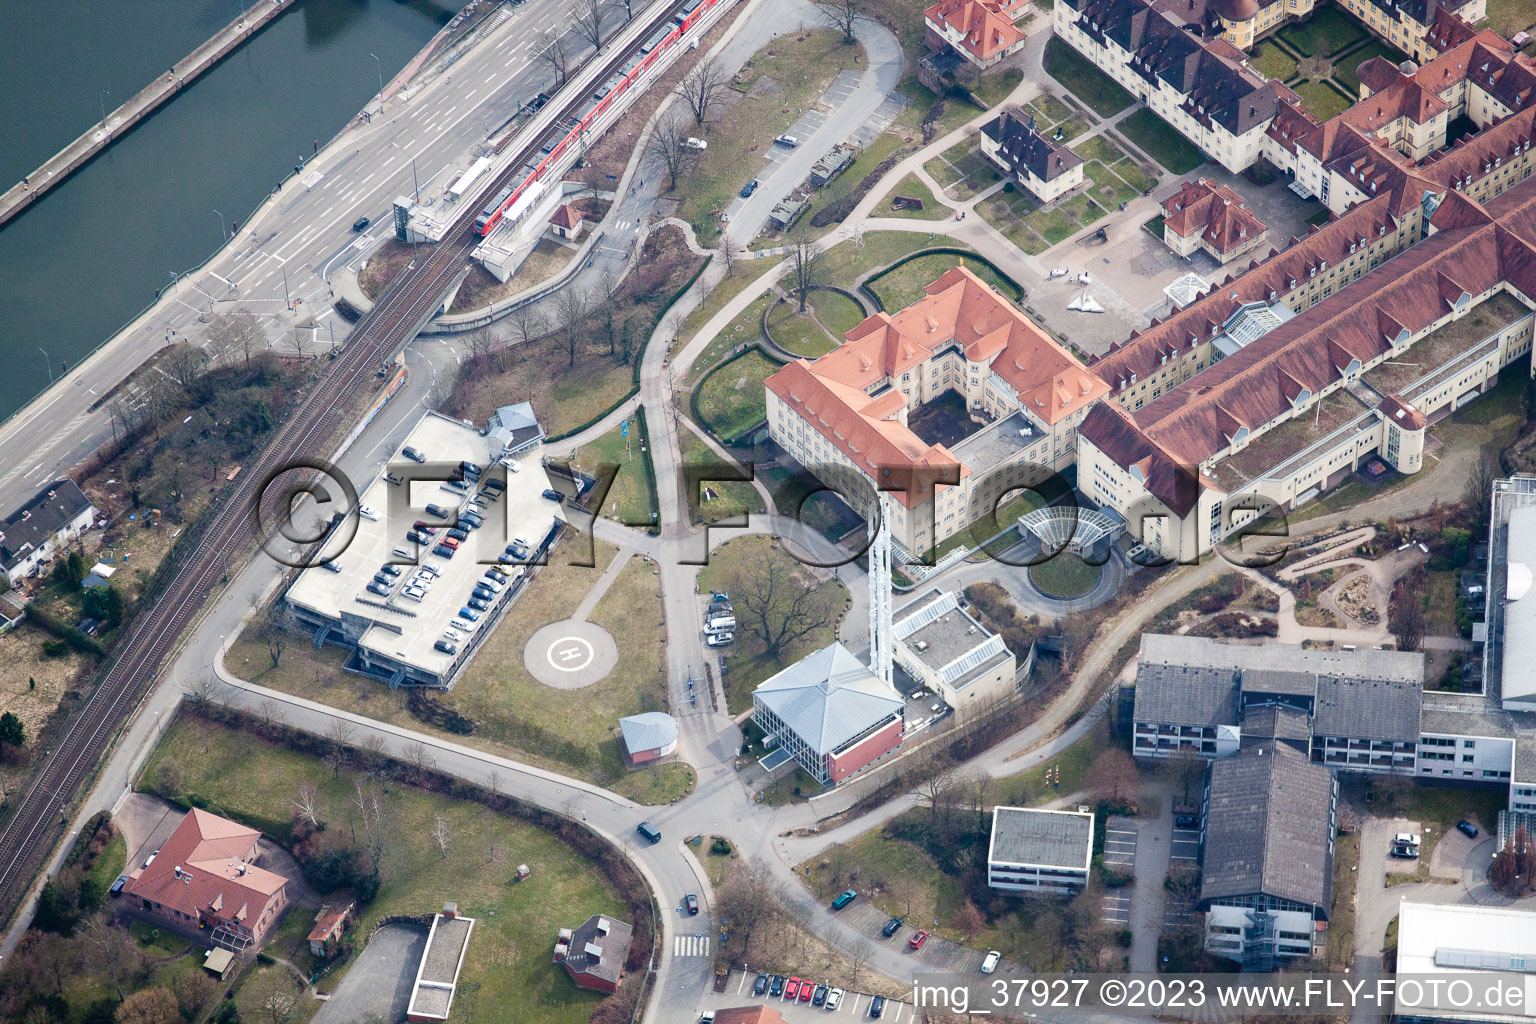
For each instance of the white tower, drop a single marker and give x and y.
(880, 589)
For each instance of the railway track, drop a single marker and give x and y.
(156, 628)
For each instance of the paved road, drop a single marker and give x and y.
(302, 234)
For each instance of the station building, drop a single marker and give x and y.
(393, 638)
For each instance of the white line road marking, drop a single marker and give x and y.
(450, 110)
(366, 180)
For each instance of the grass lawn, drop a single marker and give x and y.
(884, 145)
(995, 87)
(1346, 70)
(1029, 789)
(1320, 218)
(738, 332)
(846, 261)
(1048, 110)
(1100, 148)
(248, 777)
(962, 170)
(1006, 211)
(1507, 17)
(1157, 139)
(513, 713)
(1066, 575)
(1090, 85)
(384, 264)
(731, 399)
(1108, 188)
(1326, 31)
(718, 499)
(912, 187)
(1322, 100)
(799, 332)
(837, 311)
(765, 97)
(904, 285)
(734, 568)
(1437, 810)
(630, 500)
(1273, 62)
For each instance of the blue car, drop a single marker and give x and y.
(469, 614)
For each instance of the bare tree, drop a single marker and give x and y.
(201, 692)
(440, 836)
(1114, 777)
(493, 781)
(110, 949)
(304, 804)
(779, 602)
(238, 333)
(269, 711)
(271, 631)
(526, 324)
(806, 267)
(589, 21)
(557, 59)
(840, 14)
(665, 148)
(700, 87)
(340, 732)
(571, 305)
(302, 336)
(372, 746)
(279, 1007)
(728, 255)
(859, 952)
(419, 757)
(185, 363)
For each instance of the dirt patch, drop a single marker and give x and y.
(765, 86)
(1356, 598)
(480, 289)
(384, 263)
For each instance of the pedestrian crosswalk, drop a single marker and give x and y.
(501, 16)
(690, 945)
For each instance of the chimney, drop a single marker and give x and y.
(177, 869)
(450, 910)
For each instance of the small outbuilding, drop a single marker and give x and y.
(567, 222)
(648, 737)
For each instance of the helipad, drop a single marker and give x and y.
(570, 654)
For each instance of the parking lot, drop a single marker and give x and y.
(1185, 849)
(853, 1006)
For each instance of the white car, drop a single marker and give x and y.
(367, 512)
(990, 963)
(462, 625)
(719, 639)
(490, 582)
(415, 593)
(833, 998)
(452, 634)
(693, 143)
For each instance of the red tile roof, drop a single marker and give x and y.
(567, 216)
(984, 25)
(204, 868)
(831, 393)
(1214, 211)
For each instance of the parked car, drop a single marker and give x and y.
(491, 582)
(117, 886)
(787, 140)
(821, 995)
(776, 988)
(833, 998)
(470, 614)
(844, 898)
(918, 938)
(368, 513)
(695, 143)
(446, 647)
(452, 634)
(463, 625)
(331, 566)
(719, 595)
(413, 592)
(443, 551)
(877, 1008)
(479, 604)
(440, 512)
(1186, 821)
(390, 569)
(749, 188)
(891, 927)
(469, 468)
(383, 577)
(360, 223)
(990, 963)
(719, 639)
(760, 986)
(805, 991)
(413, 454)
(434, 570)
(1466, 828)
(691, 902)
(378, 588)
(450, 542)
(471, 520)
(550, 494)
(792, 989)
(458, 533)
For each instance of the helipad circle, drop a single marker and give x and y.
(570, 654)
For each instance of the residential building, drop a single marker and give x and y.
(947, 651)
(845, 416)
(437, 976)
(648, 736)
(49, 521)
(593, 952)
(1459, 939)
(980, 31)
(830, 713)
(1266, 841)
(204, 883)
(1048, 169)
(329, 927)
(1209, 216)
(1040, 851)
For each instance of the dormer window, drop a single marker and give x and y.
(1240, 436)
(1302, 397)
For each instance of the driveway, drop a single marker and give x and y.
(146, 823)
(378, 985)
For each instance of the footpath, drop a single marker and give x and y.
(146, 101)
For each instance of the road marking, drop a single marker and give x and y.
(366, 180)
(570, 654)
(690, 945)
(450, 110)
(471, 94)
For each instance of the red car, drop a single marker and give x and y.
(918, 938)
(806, 989)
(792, 989)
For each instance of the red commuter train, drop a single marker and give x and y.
(571, 129)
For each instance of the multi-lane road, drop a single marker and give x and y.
(304, 232)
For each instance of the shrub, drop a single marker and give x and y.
(721, 847)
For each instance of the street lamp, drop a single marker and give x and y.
(49, 361)
(223, 231)
(380, 65)
(416, 186)
(174, 279)
(103, 98)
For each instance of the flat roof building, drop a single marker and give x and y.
(1435, 939)
(1034, 850)
(437, 976)
(830, 713)
(945, 649)
(395, 635)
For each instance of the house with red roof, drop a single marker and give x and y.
(981, 31)
(204, 882)
(1208, 215)
(949, 405)
(567, 222)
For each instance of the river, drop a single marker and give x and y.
(89, 256)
